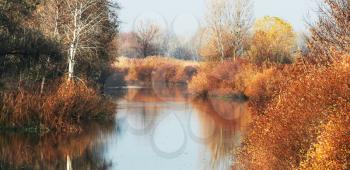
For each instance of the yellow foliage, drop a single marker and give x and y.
(273, 41)
(333, 148)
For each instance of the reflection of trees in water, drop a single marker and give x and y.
(19, 151)
(170, 92)
(157, 93)
(148, 102)
(230, 121)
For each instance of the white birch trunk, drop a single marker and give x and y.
(71, 62)
(42, 85)
(69, 163)
(72, 47)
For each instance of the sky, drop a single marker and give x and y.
(186, 16)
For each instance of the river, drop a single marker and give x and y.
(155, 128)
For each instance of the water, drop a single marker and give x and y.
(155, 128)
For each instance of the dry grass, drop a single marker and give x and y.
(241, 78)
(304, 126)
(156, 69)
(238, 78)
(62, 108)
(216, 78)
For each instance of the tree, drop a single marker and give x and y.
(51, 13)
(147, 33)
(24, 51)
(273, 41)
(86, 28)
(228, 23)
(331, 31)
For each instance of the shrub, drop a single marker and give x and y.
(262, 86)
(332, 149)
(62, 108)
(157, 69)
(199, 84)
(165, 73)
(217, 78)
(282, 136)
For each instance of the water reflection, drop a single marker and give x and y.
(50, 151)
(165, 129)
(224, 122)
(157, 127)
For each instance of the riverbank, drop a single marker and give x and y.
(156, 69)
(232, 79)
(61, 108)
(239, 79)
(299, 110)
(301, 123)
(145, 118)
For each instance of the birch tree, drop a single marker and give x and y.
(228, 23)
(84, 27)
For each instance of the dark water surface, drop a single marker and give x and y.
(156, 128)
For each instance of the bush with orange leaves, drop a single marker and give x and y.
(219, 79)
(61, 109)
(264, 83)
(305, 124)
(332, 149)
(261, 86)
(156, 69)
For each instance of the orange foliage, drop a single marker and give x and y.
(210, 50)
(293, 128)
(332, 149)
(217, 78)
(60, 109)
(157, 69)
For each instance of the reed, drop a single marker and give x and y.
(62, 108)
(156, 69)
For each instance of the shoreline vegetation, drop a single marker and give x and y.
(61, 109)
(298, 94)
(300, 109)
(157, 69)
(54, 63)
(52, 69)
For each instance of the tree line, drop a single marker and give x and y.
(230, 31)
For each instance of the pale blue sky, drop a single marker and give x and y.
(184, 16)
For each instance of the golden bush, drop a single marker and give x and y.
(60, 109)
(157, 68)
(281, 137)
